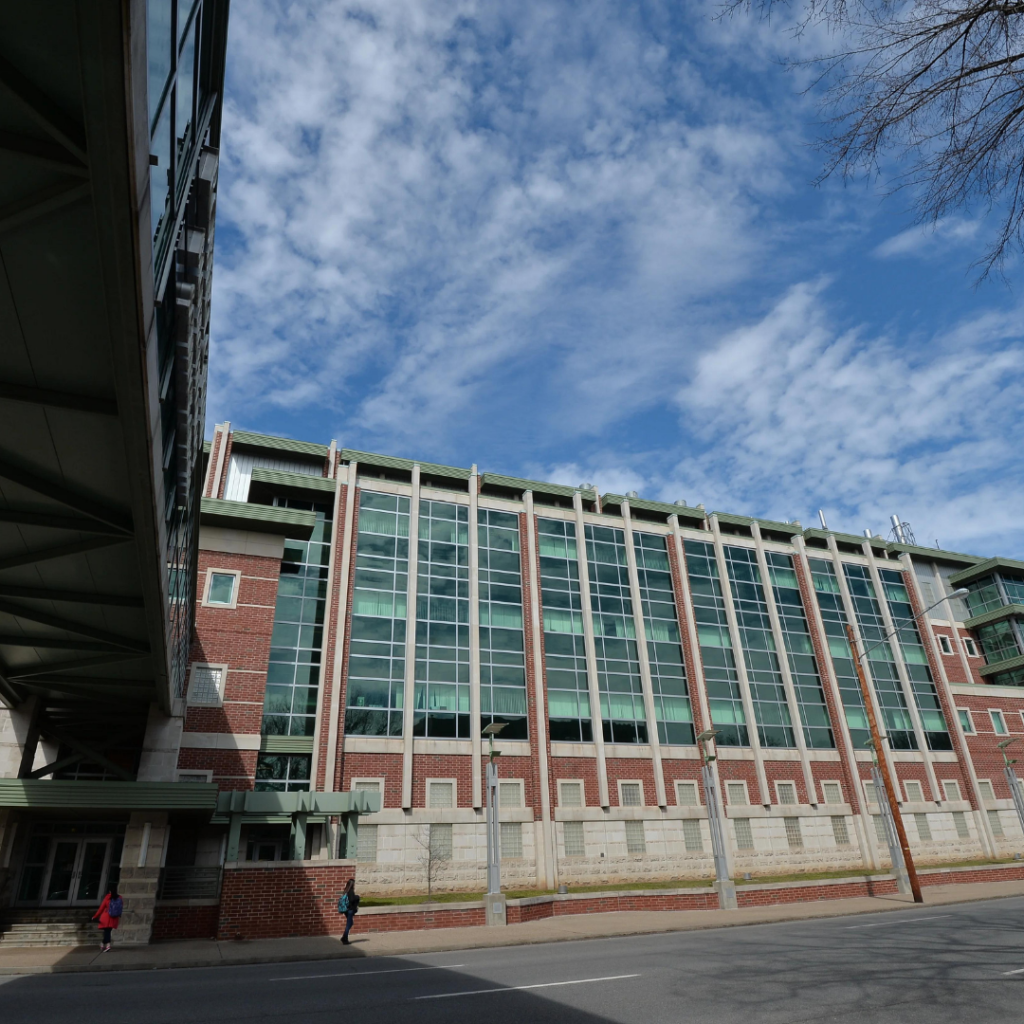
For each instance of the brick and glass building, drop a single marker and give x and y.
(361, 618)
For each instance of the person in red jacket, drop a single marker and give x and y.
(108, 917)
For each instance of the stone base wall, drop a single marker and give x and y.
(277, 899)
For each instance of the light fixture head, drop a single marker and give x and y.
(961, 592)
(1006, 743)
(494, 728)
(707, 734)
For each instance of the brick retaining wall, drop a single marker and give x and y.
(184, 921)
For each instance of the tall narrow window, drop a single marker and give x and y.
(960, 823)
(442, 622)
(998, 723)
(744, 835)
(716, 653)
(794, 837)
(692, 838)
(624, 718)
(565, 654)
(636, 841)
(840, 833)
(803, 666)
(511, 840)
(924, 831)
(376, 667)
(575, 845)
(672, 710)
(502, 665)
(767, 693)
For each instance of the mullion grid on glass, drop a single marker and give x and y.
(767, 692)
(983, 596)
(375, 692)
(716, 654)
(915, 658)
(803, 666)
(898, 724)
(565, 654)
(618, 664)
(998, 641)
(442, 622)
(502, 651)
(672, 710)
(293, 675)
(833, 617)
(283, 773)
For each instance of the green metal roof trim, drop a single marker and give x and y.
(242, 438)
(108, 796)
(295, 481)
(938, 554)
(1005, 612)
(391, 462)
(207, 447)
(357, 801)
(844, 538)
(768, 524)
(1003, 666)
(984, 568)
(669, 508)
(240, 515)
(516, 483)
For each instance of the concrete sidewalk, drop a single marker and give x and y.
(210, 953)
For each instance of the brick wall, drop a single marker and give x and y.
(181, 922)
(270, 901)
(787, 771)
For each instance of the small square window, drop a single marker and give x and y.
(575, 845)
(736, 793)
(786, 791)
(966, 722)
(510, 794)
(631, 794)
(440, 793)
(832, 792)
(970, 647)
(206, 686)
(570, 794)
(998, 723)
(914, 791)
(222, 588)
(199, 776)
(636, 842)
(870, 793)
(687, 795)
(986, 790)
(945, 644)
(951, 788)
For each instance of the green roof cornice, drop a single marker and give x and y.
(841, 538)
(515, 483)
(293, 481)
(1005, 611)
(935, 554)
(207, 447)
(239, 515)
(391, 462)
(244, 439)
(667, 508)
(132, 796)
(984, 568)
(769, 524)
(1002, 666)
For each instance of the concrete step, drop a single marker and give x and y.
(49, 933)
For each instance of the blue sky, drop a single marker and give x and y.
(580, 242)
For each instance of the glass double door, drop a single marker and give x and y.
(76, 872)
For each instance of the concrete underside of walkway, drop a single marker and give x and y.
(211, 953)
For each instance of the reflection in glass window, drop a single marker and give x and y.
(158, 46)
(283, 773)
(222, 588)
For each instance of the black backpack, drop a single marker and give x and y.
(353, 903)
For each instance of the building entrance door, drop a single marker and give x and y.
(76, 872)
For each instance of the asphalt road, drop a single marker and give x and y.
(962, 963)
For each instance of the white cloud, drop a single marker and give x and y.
(929, 239)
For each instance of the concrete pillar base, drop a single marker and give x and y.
(140, 875)
(494, 908)
(726, 890)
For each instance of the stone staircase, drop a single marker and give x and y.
(37, 927)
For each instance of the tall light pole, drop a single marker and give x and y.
(723, 883)
(493, 827)
(1012, 780)
(878, 742)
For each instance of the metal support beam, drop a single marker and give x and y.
(44, 154)
(71, 596)
(57, 399)
(30, 517)
(55, 668)
(77, 745)
(53, 643)
(65, 495)
(45, 619)
(55, 766)
(42, 109)
(61, 551)
(40, 203)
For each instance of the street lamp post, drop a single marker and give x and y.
(878, 743)
(1012, 780)
(723, 883)
(494, 901)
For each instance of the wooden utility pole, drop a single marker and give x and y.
(883, 767)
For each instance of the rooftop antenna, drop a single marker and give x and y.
(901, 532)
(821, 519)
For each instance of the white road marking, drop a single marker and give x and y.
(1020, 970)
(363, 974)
(522, 988)
(903, 920)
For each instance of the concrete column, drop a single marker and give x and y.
(159, 759)
(474, 642)
(18, 732)
(644, 658)
(547, 861)
(901, 668)
(141, 858)
(783, 659)
(842, 730)
(588, 639)
(741, 665)
(215, 469)
(410, 639)
(337, 711)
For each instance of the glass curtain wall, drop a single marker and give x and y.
(376, 666)
(672, 710)
(983, 596)
(442, 622)
(888, 691)
(998, 641)
(833, 615)
(618, 664)
(716, 654)
(293, 675)
(771, 709)
(502, 656)
(916, 659)
(565, 655)
(803, 665)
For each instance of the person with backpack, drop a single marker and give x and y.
(348, 904)
(108, 917)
